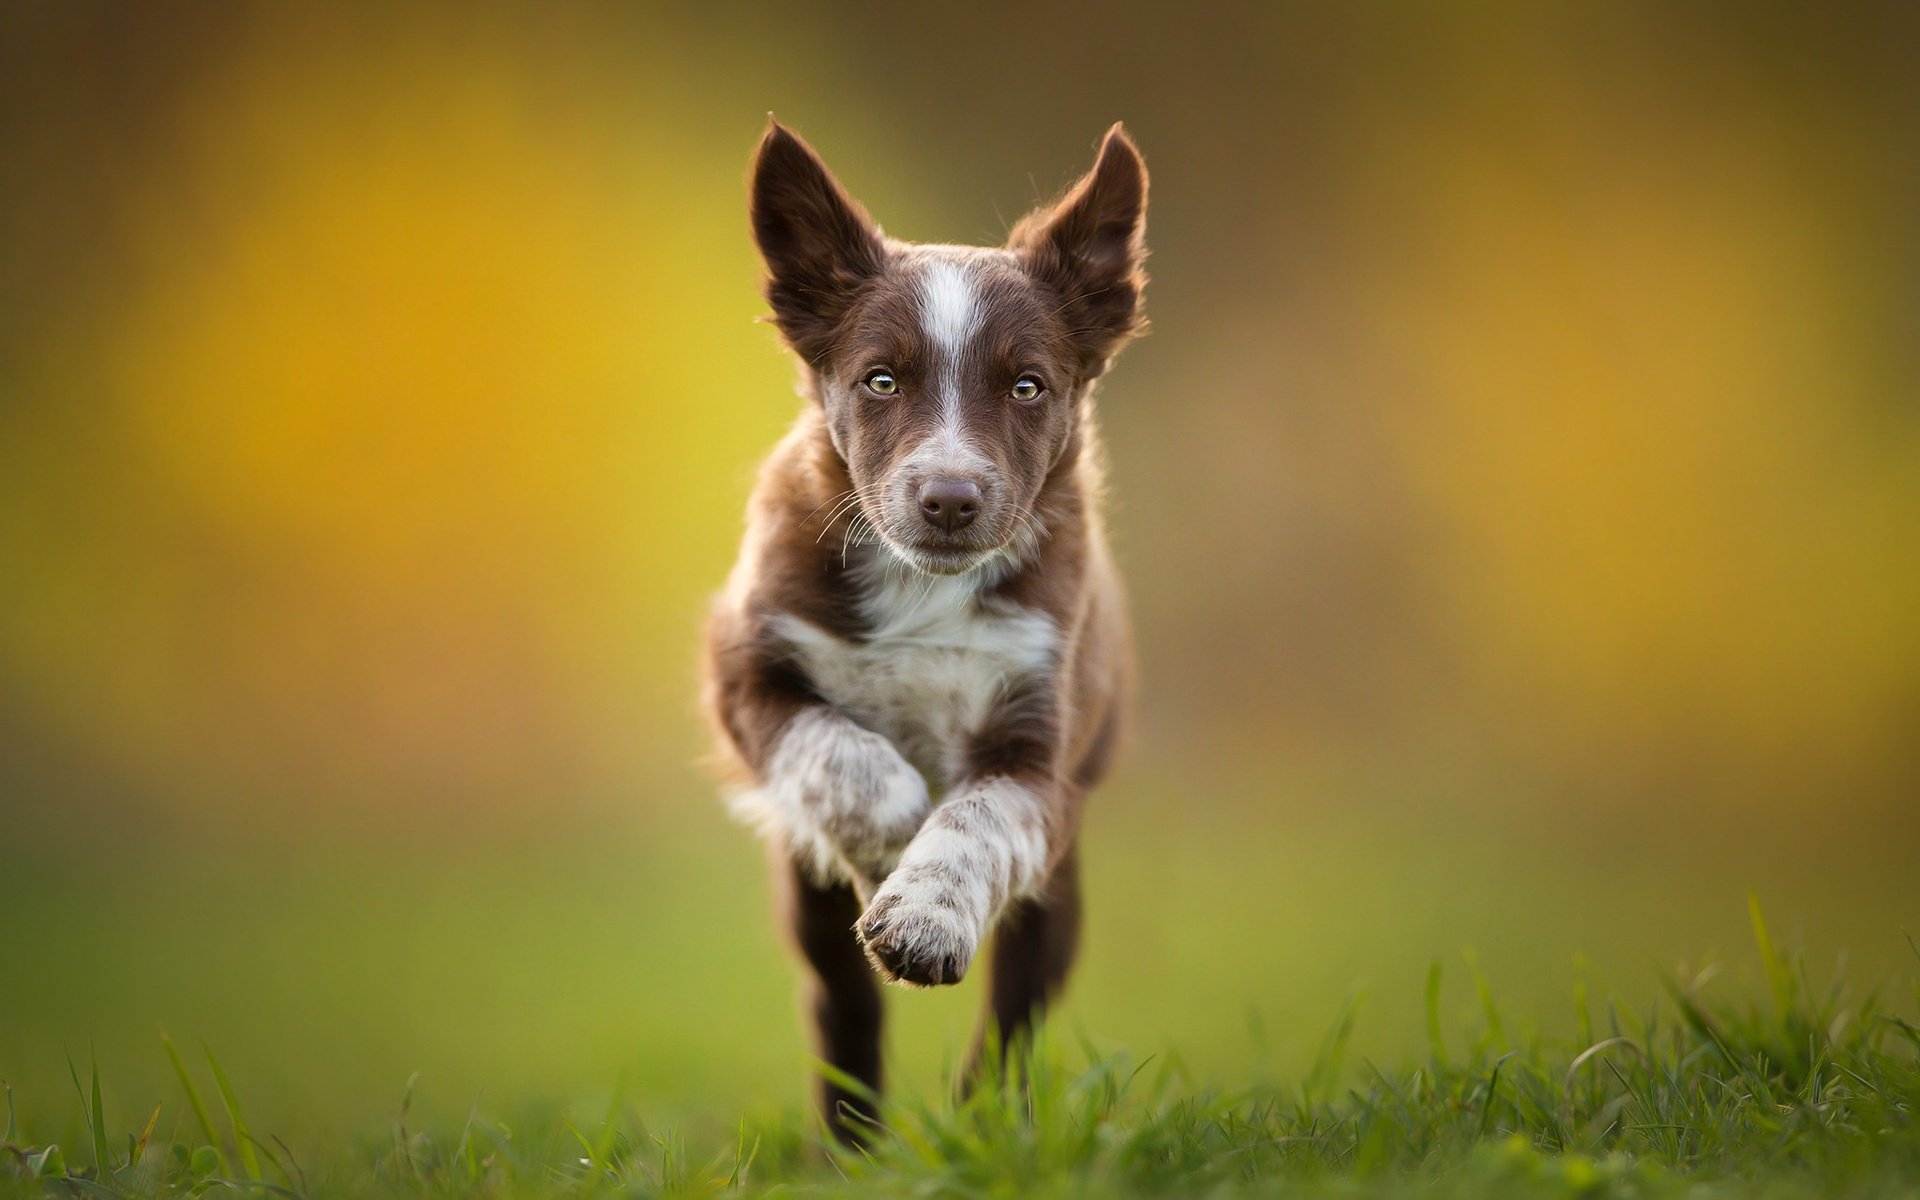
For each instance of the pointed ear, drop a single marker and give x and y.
(1090, 246)
(819, 244)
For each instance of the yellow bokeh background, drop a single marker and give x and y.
(1518, 490)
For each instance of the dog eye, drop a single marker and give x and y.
(882, 383)
(1027, 389)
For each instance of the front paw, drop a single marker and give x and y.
(914, 934)
(847, 799)
(871, 802)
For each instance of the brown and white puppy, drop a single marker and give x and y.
(920, 660)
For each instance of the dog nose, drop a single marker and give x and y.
(949, 503)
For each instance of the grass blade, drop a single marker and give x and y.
(194, 1102)
(1436, 1040)
(1779, 971)
(1324, 1078)
(138, 1147)
(96, 1133)
(242, 1139)
(97, 1120)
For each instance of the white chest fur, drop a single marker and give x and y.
(927, 677)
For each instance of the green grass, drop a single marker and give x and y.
(1803, 1092)
(541, 967)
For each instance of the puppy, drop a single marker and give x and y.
(920, 662)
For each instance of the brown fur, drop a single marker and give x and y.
(833, 510)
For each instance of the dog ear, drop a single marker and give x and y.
(819, 244)
(1090, 248)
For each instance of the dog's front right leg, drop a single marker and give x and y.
(842, 796)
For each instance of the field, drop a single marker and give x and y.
(1516, 497)
(587, 1014)
(1808, 1094)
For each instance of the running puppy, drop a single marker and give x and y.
(919, 662)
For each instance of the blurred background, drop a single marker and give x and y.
(1518, 489)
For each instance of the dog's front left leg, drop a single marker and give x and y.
(986, 845)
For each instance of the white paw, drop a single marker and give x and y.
(858, 800)
(916, 932)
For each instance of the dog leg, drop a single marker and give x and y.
(1034, 946)
(983, 847)
(842, 798)
(841, 994)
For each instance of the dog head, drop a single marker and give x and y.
(951, 376)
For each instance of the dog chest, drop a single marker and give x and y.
(928, 676)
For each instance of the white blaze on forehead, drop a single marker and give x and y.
(949, 306)
(950, 314)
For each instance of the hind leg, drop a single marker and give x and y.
(1033, 949)
(841, 994)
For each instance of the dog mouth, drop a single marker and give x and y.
(939, 556)
(946, 560)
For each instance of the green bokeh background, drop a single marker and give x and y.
(1518, 492)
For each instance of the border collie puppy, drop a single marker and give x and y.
(920, 661)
